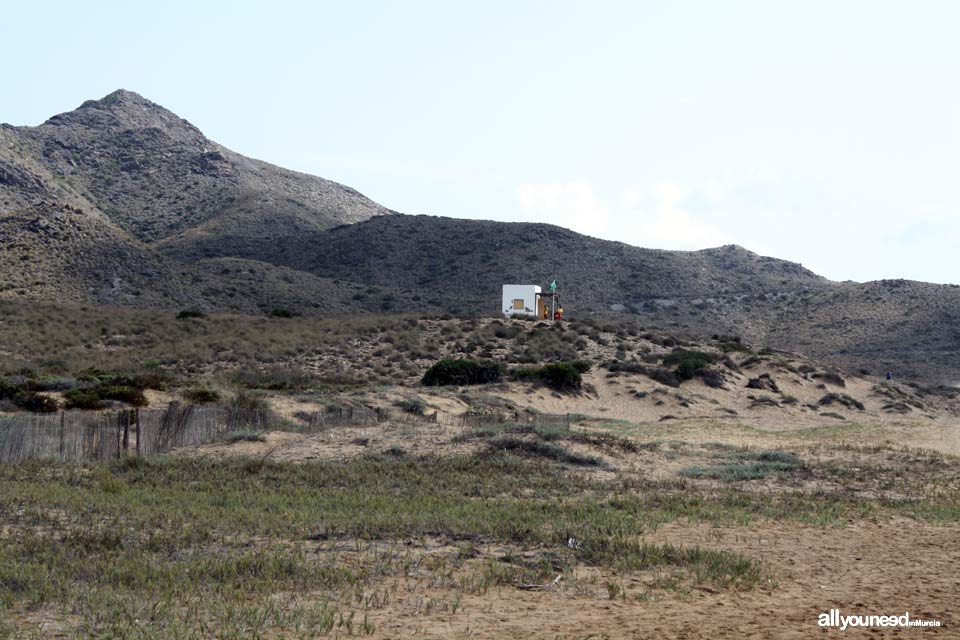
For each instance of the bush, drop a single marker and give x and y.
(281, 313)
(123, 393)
(416, 406)
(663, 376)
(83, 398)
(559, 376)
(712, 378)
(36, 403)
(688, 362)
(581, 365)
(201, 395)
(841, 398)
(94, 397)
(10, 389)
(659, 374)
(463, 371)
(190, 313)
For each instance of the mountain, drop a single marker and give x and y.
(122, 202)
(155, 176)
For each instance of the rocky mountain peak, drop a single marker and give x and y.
(125, 110)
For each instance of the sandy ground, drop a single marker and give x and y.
(875, 569)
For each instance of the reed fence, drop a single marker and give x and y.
(80, 436)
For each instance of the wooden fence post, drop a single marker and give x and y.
(63, 435)
(126, 431)
(137, 418)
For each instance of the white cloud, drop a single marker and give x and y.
(646, 217)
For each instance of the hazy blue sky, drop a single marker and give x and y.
(827, 133)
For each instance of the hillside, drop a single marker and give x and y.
(455, 260)
(122, 202)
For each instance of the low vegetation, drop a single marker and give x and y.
(463, 371)
(559, 376)
(746, 465)
(189, 544)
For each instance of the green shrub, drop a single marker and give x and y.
(190, 313)
(462, 371)
(10, 389)
(93, 397)
(83, 398)
(201, 395)
(559, 376)
(663, 376)
(659, 374)
(581, 365)
(281, 313)
(36, 403)
(688, 362)
(124, 393)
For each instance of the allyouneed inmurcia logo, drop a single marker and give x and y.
(834, 618)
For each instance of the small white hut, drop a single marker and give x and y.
(522, 300)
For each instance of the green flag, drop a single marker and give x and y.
(553, 286)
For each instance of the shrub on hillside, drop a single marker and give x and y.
(201, 395)
(36, 403)
(581, 365)
(94, 397)
(659, 374)
(712, 378)
(155, 379)
(416, 406)
(10, 389)
(688, 362)
(190, 313)
(83, 398)
(559, 376)
(462, 371)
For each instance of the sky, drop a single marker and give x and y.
(825, 133)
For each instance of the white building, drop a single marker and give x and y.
(522, 300)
